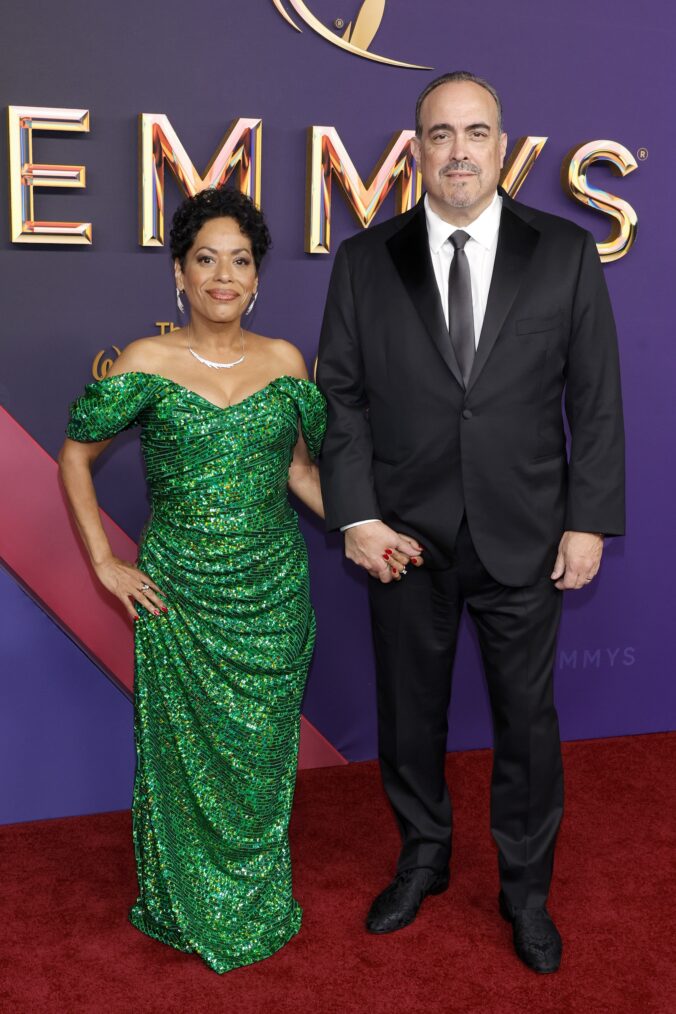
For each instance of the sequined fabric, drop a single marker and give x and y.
(220, 677)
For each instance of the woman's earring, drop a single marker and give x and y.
(179, 301)
(251, 304)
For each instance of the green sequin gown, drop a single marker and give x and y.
(220, 677)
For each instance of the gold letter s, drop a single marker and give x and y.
(574, 181)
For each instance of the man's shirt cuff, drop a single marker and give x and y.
(354, 524)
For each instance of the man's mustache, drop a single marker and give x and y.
(462, 167)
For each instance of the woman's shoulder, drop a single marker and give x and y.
(144, 355)
(116, 402)
(287, 360)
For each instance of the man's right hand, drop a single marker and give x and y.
(381, 551)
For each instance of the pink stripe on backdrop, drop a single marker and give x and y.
(39, 544)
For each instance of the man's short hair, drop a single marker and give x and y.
(455, 75)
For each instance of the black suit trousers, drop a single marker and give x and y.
(415, 624)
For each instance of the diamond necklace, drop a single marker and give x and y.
(219, 366)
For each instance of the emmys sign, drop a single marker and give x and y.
(240, 154)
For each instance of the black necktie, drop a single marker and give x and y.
(460, 312)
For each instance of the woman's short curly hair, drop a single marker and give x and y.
(218, 202)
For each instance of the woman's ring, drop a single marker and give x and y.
(144, 587)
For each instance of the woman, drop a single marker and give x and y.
(225, 631)
(224, 628)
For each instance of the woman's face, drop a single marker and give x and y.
(219, 275)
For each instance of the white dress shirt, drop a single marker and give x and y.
(480, 248)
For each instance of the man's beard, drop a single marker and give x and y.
(460, 198)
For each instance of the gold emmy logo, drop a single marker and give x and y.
(358, 34)
(101, 366)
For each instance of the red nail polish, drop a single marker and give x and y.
(389, 552)
(414, 559)
(134, 618)
(394, 570)
(385, 556)
(164, 609)
(156, 611)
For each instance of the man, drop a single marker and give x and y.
(450, 336)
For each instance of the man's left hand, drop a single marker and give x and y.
(578, 560)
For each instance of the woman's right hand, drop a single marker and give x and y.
(126, 582)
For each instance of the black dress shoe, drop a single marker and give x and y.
(398, 904)
(536, 939)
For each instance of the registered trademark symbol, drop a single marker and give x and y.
(339, 23)
(642, 154)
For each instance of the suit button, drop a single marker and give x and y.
(467, 413)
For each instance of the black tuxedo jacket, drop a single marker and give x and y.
(407, 443)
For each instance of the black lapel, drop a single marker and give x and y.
(410, 251)
(516, 243)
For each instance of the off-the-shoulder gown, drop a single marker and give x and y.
(220, 676)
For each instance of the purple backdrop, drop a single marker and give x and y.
(572, 75)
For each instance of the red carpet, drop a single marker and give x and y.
(65, 945)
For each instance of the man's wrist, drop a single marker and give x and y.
(355, 524)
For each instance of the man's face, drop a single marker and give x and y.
(460, 150)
